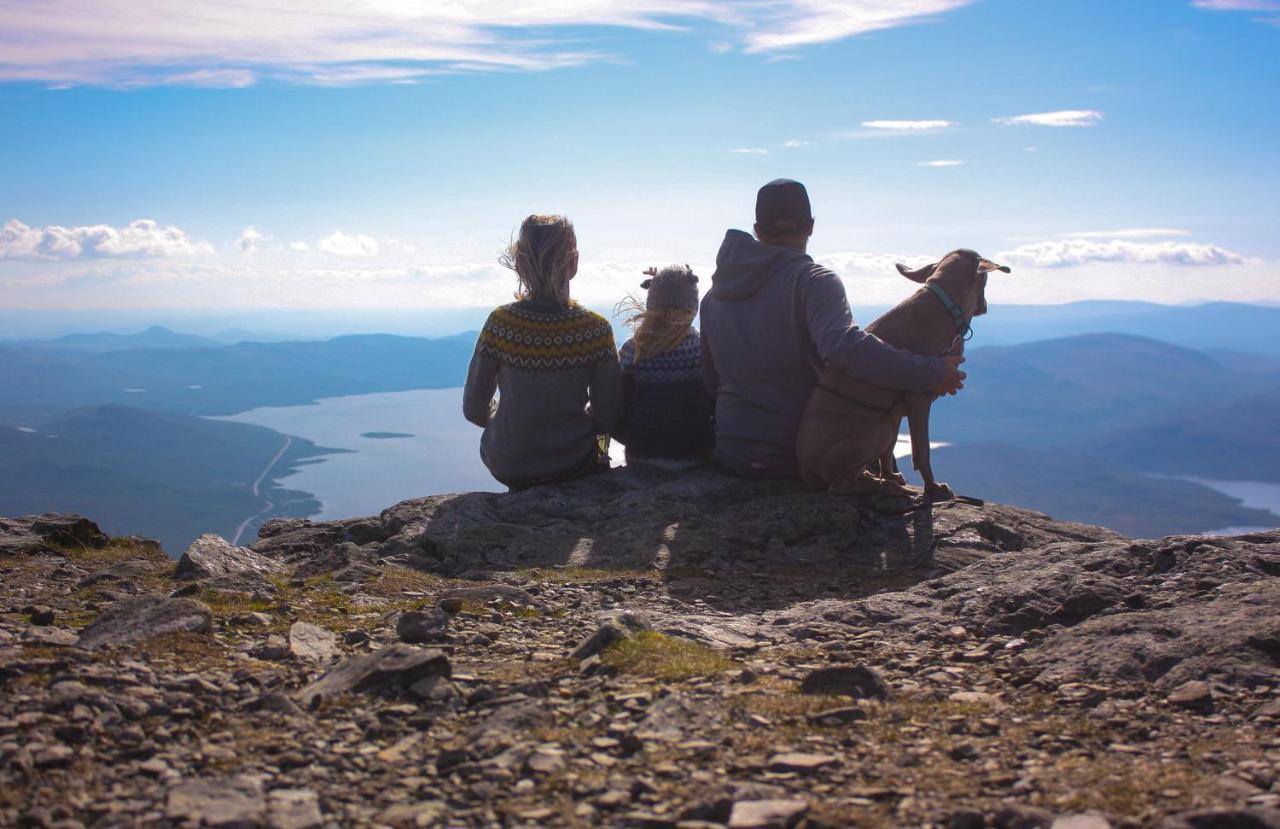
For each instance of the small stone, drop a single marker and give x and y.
(963, 752)
(800, 762)
(1225, 819)
(230, 802)
(55, 756)
(545, 761)
(1081, 821)
(1018, 816)
(293, 809)
(767, 814)
(418, 626)
(42, 616)
(857, 681)
(839, 716)
(312, 643)
(973, 698)
(966, 819)
(211, 555)
(54, 637)
(275, 648)
(616, 628)
(394, 666)
(1193, 694)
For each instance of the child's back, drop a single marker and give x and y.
(667, 410)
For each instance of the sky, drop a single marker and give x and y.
(380, 154)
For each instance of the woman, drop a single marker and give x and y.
(553, 365)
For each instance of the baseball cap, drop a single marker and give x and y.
(782, 199)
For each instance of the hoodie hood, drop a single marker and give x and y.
(744, 264)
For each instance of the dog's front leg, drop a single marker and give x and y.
(918, 406)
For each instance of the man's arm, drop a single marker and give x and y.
(861, 355)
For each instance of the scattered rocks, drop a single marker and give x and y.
(293, 809)
(1194, 694)
(857, 681)
(44, 534)
(143, 618)
(229, 802)
(451, 601)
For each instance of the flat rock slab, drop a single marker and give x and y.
(800, 762)
(212, 555)
(143, 618)
(767, 814)
(396, 666)
(228, 803)
(312, 643)
(42, 534)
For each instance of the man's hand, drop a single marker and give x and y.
(953, 380)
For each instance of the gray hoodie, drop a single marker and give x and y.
(772, 319)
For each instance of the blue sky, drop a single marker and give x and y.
(377, 155)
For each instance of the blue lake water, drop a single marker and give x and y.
(442, 454)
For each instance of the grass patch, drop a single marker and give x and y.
(193, 651)
(665, 657)
(584, 575)
(115, 550)
(395, 581)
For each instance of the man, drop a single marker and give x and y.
(772, 319)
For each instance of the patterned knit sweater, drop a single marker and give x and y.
(668, 412)
(547, 363)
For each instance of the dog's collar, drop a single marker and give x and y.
(963, 328)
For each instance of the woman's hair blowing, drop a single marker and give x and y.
(541, 257)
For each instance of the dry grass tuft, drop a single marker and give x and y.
(665, 657)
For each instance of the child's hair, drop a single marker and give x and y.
(541, 257)
(658, 327)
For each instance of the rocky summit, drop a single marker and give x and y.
(641, 650)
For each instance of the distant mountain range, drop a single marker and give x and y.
(1068, 425)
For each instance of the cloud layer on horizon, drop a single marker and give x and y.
(109, 42)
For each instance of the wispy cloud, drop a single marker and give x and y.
(1060, 253)
(349, 245)
(749, 151)
(907, 126)
(141, 238)
(1127, 233)
(942, 162)
(249, 239)
(113, 42)
(795, 143)
(1058, 118)
(1238, 5)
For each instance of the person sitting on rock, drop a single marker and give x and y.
(771, 321)
(553, 365)
(667, 414)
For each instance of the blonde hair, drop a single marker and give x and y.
(655, 331)
(541, 257)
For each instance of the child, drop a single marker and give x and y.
(667, 411)
(553, 365)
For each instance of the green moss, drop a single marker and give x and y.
(665, 657)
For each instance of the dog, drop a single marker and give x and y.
(848, 424)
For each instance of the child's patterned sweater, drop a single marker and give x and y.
(667, 410)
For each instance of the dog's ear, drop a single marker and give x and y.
(647, 284)
(987, 266)
(918, 275)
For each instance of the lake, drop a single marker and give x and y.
(1256, 494)
(441, 453)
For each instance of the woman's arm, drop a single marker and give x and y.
(605, 394)
(478, 405)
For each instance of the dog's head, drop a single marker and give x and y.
(963, 274)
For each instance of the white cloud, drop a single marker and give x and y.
(113, 42)
(942, 162)
(1127, 233)
(907, 126)
(1238, 5)
(349, 245)
(1058, 118)
(140, 238)
(249, 239)
(749, 151)
(300, 247)
(794, 143)
(1061, 253)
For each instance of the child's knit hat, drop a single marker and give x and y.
(675, 286)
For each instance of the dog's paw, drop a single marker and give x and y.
(939, 492)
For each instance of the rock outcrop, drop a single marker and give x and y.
(642, 650)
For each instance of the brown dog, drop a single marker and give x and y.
(849, 424)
